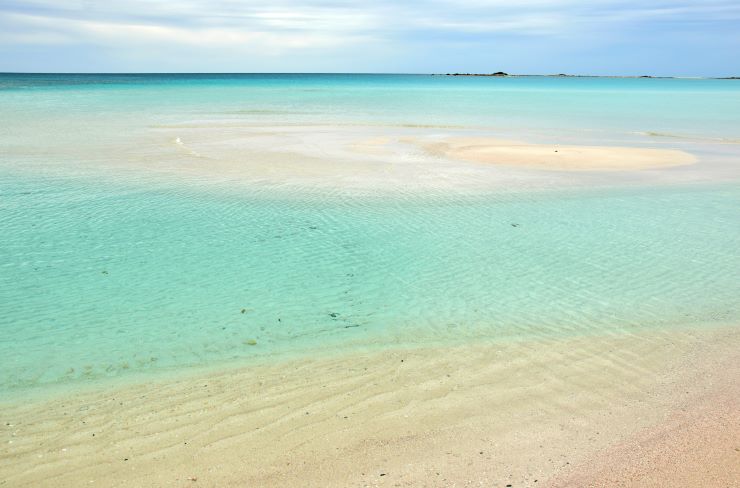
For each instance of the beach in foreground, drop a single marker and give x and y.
(632, 409)
(338, 280)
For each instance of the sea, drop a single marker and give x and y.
(159, 224)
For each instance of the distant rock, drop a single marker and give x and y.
(498, 73)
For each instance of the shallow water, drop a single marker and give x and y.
(107, 277)
(100, 281)
(605, 106)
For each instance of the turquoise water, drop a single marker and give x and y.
(687, 107)
(109, 277)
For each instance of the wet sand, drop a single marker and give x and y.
(408, 158)
(557, 157)
(537, 412)
(370, 160)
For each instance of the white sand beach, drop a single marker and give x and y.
(627, 409)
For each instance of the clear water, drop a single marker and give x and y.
(107, 279)
(670, 106)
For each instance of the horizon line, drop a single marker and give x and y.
(498, 74)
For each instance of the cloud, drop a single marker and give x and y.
(325, 19)
(291, 30)
(38, 29)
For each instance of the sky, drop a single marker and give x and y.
(608, 37)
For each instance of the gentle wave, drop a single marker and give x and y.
(689, 137)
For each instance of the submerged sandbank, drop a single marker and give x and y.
(369, 159)
(410, 158)
(519, 413)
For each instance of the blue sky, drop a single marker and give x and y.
(683, 38)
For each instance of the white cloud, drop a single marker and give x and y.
(39, 29)
(316, 30)
(218, 21)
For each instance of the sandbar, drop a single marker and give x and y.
(555, 156)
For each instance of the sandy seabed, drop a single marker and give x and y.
(647, 408)
(391, 159)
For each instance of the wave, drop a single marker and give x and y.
(181, 144)
(689, 137)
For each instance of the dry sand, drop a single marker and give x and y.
(697, 445)
(556, 157)
(528, 413)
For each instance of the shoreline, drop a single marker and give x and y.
(510, 413)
